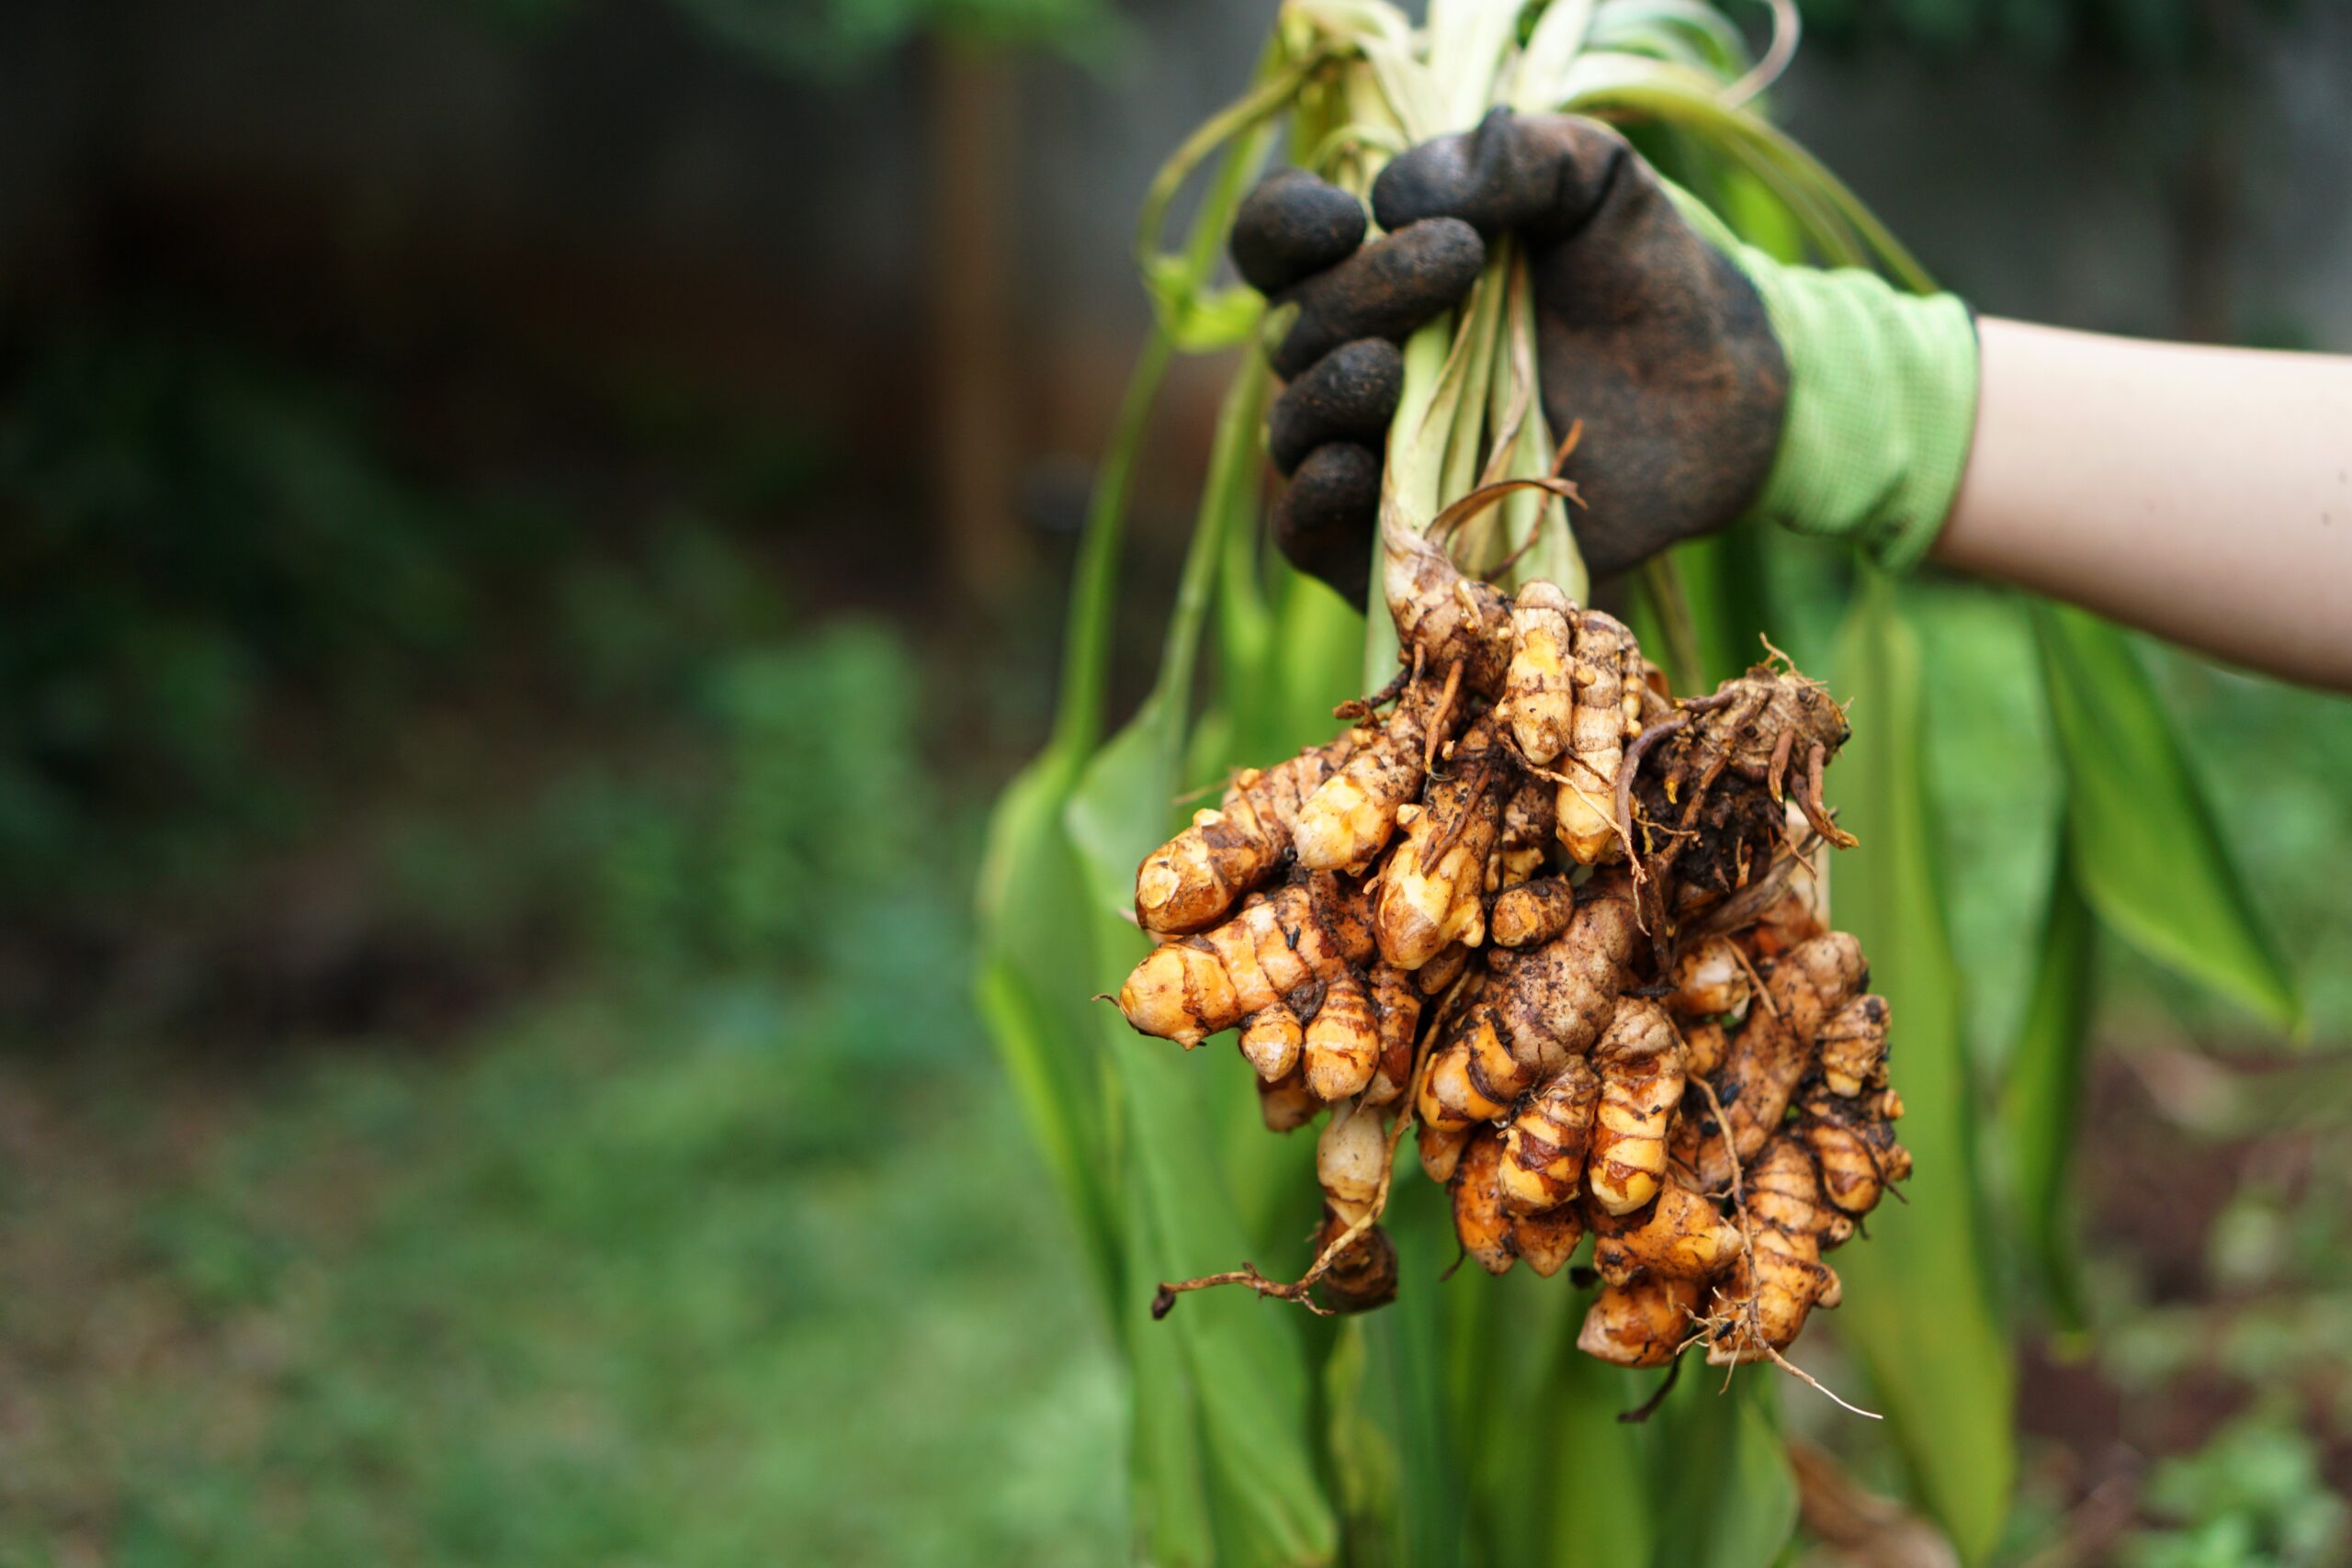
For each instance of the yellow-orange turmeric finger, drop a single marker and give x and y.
(1641, 1324)
(1544, 1147)
(1479, 1222)
(1640, 1064)
(1538, 686)
(1191, 882)
(1193, 988)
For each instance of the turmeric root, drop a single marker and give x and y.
(1797, 916)
(1586, 807)
(1287, 1104)
(1815, 979)
(1430, 889)
(1341, 1049)
(1191, 882)
(1532, 912)
(1444, 619)
(1526, 837)
(1680, 1235)
(1547, 1241)
(1708, 980)
(1339, 906)
(1709, 792)
(1767, 1295)
(1640, 1325)
(1774, 727)
(1352, 1160)
(1703, 1044)
(1853, 1046)
(1363, 1277)
(1396, 1009)
(1198, 986)
(1431, 979)
(1544, 1149)
(1441, 1150)
(1552, 1000)
(1474, 1077)
(1479, 1222)
(1853, 1141)
(1545, 1004)
(1271, 1041)
(1640, 1064)
(1539, 692)
(1350, 816)
(1765, 1061)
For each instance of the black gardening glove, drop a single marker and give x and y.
(1645, 332)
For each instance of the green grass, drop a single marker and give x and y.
(682, 1279)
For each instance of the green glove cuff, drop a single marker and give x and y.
(1882, 402)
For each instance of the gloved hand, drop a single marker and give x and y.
(1712, 380)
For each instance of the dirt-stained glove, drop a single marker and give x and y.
(1299, 241)
(1712, 380)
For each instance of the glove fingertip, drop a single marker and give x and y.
(1432, 180)
(1324, 520)
(1292, 227)
(1349, 395)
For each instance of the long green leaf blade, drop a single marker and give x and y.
(1596, 1464)
(2044, 1094)
(1391, 1441)
(1918, 1296)
(1171, 1515)
(1725, 1495)
(2147, 847)
(1247, 1367)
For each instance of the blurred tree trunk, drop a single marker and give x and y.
(2206, 185)
(974, 463)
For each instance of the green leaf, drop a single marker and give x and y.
(1665, 623)
(1193, 320)
(2149, 853)
(1690, 32)
(1757, 216)
(1555, 1471)
(2044, 1094)
(1725, 1497)
(1918, 1300)
(1832, 216)
(1094, 580)
(1597, 1465)
(1364, 1448)
(1037, 962)
(1409, 1506)
(1063, 1117)
(1171, 1514)
(1245, 1365)
(1201, 322)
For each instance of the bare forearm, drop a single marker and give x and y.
(2202, 494)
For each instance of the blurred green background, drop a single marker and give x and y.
(529, 530)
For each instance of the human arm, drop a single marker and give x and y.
(2202, 494)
